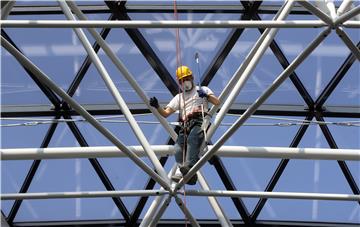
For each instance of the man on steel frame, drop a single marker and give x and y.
(196, 101)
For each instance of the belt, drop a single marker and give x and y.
(192, 116)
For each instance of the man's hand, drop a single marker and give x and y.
(202, 93)
(154, 102)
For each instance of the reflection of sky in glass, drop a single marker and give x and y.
(59, 54)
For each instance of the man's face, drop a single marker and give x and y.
(187, 83)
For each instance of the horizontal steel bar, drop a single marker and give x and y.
(351, 24)
(161, 24)
(138, 108)
(164, 7)
(87, 194)
(166, 150)
(213, 193)
(275, 195)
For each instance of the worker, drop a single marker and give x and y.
(191, 119)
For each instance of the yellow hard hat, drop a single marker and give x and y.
(182, 72)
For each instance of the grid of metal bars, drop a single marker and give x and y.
(249, 10)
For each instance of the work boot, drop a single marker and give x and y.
(176, 177)
(184, 170)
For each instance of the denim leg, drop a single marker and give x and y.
(194, 142)
(179, 148)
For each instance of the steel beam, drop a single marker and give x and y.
(229, 43)
(98, 169)
(84, 194)
(145, 48)
(164, 24)
(275, 48)
(4, 222)
(345, 5)
(114, 91)
(213, 193)
(44, 78)
(347, 16)
(87, 62)
(48, 92)
(219, 212)
(142, 201)
(161, 210)
(339, 75)
(6, 9)
(275, 195)
(149, 185)
(168, 150)
(281, 78)
(31, 173)
(242, 74)
(186, 211)
(342, 164)
(346, 39)
(230, 186)
(317, 12)
(121, 67)
(158, 205)
(165, 7)
(279, 170)
(9, 111)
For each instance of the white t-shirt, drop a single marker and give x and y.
(192, 102)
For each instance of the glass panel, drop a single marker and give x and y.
(17, 87)
(312, 176)
(347, 92)
(93, 89)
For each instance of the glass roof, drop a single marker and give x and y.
(27, 114)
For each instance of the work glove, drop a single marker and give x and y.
(154, 102)
(202, 93)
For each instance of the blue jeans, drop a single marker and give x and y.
(194, 140)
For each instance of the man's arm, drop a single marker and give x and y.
(213, 99)
(165, 112)
(205, 92)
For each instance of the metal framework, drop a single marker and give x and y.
(64, 106)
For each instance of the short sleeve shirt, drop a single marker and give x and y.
(193, 103)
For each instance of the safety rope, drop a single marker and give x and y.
(178, 64)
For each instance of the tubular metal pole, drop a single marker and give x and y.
(121, 67)
(219, 212)
(187, 213)
(278, 81)
(331, 7)
(88, 194)
(347, 16)
(317, 12)
(278, 195)
(161, 24)
(115, 93)
(346, 39)
(168, 150)
(244, 71)
(78, 108)
(352, 24)
(5, 11)
(345, 5)
(160, 212)
(229, 86)
(150, 214)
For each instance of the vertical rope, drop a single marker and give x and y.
(182, 114)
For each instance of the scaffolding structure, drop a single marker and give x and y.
(327, 16)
